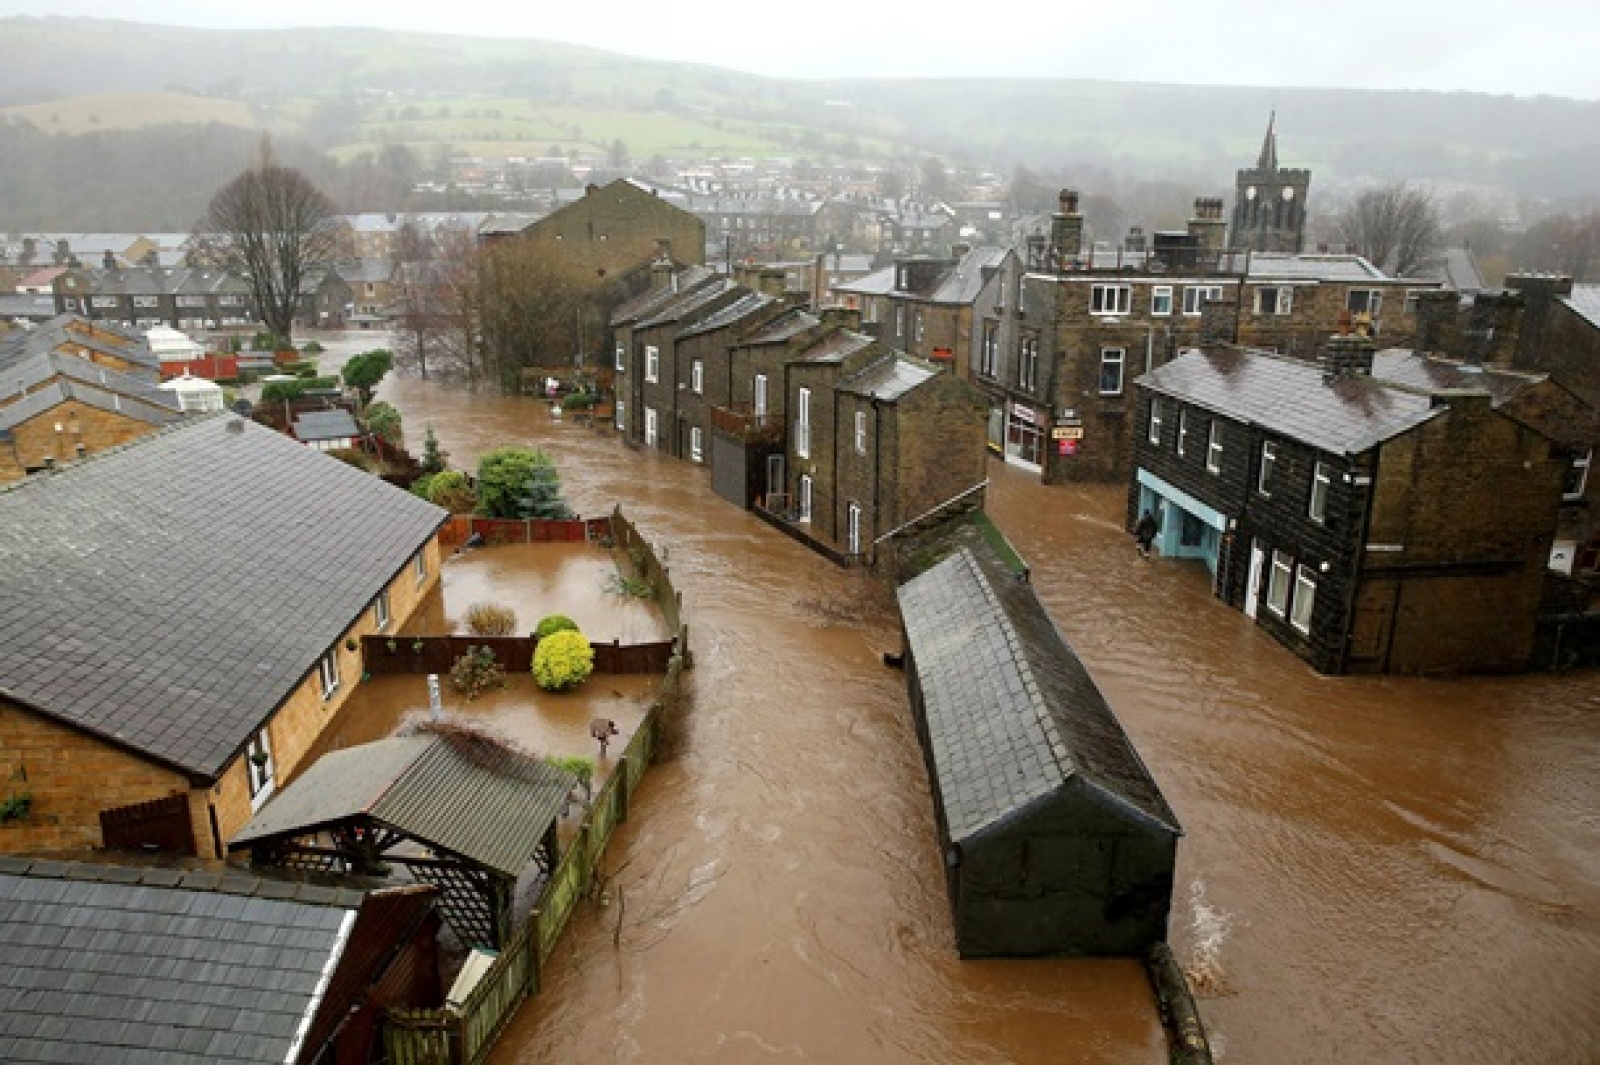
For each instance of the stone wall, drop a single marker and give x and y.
(92, 427)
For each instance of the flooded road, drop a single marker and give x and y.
(1375, 870)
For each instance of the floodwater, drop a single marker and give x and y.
(1375, 869)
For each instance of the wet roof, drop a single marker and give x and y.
(69, 330)
(836, 346)
(785, 327)
(962, 283)
(685, 303)
(156, 409)
(889, 378)
(745, 306)
(1266, 265)
(1012, 715)
(169, 594)
(487, 803)
(111, 963)
(1287, 396)
(1585, 303)
(877, 283)
(650, 300)
(325, 425)
(1432, 374)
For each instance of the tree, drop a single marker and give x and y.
(533, 308)
(1396, 228)
(434, 457)
(275, 224)
(364, 371)
(437, 324)
(519, 482)
(384, 422)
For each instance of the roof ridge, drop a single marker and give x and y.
(229, 880)
(117, 449)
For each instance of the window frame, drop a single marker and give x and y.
(1280, 581)
(382, 614)
(328, 672)
(621, 363)
(652, 364)
(1119, 296)
(1214, 447)
(1154, 424)
(261, 780)
(1158, 294)
(802, 423)
(1269, 459)
(419, 565)
(1120, 362)
(1321, 485)
(1578, 467)
(758, 395)
(697, 376)
(1303, 600)
(1028, 362)
(1282, 300)
(1182, 444)
(696, 444)
(1374, 301)
(861, 432)
(989, 353)
(1196, 295)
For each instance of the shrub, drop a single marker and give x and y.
(384, 420)
(491, 619)
(517, 482)
(352, 457)
(312, 348)
(578, 766)
(562, 660)
(422, 485)
(307, 370)
(451, 490)
(433, 456)
(578, 401)
(551, 624)
(477, 671)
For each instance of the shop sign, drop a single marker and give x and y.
(1067, 432)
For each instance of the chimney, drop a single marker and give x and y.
(1066, 230)
(1437, 328)
(841, 317)
(1219, 322)
(772, 282)
(1494, 327)
(1540, 291)
(1207, 227)
(108, 260)
(590, 189)
(30, 248)
(1346, 356)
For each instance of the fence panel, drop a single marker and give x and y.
(160, 823)
(490, 1006)
(419, 1037)
(560, 895)
(412, 655)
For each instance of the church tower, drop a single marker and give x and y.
(1269, 207)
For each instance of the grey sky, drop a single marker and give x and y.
(1545, 47)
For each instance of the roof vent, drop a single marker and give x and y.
(235, 425)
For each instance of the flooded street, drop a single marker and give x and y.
(1375, 870)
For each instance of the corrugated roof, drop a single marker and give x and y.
(1585, 303)
(169, 594)
(106, 963)
(1012, 715)
(490, 805)
(1287, 396)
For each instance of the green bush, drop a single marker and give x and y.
(563, 660)
(279, 391)
(519, 482)
(307, 370)
(551, 624)
(578, 401)
(578, 766)
(450, 490)
(312, 348)
(383, 420)
(420, 487)
(491, 619)
(434, 457)
(477, 671)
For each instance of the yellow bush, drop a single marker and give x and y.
(562, 660)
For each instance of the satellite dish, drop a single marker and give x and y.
(242, 407)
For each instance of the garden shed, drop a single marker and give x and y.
(455, 809)
(1056, 839)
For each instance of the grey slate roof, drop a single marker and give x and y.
(836, 346)
(686, 303)
(58, 333)
(1013, 718)
(147, 966)
(744, 307)
(168, 595)
(490, 805)
(1431, 374)
(155, 411)
(325, 425)
(1265, 266)
(1287, 396)
(889, 378)
(36, 369)
(651, 300)
(783, 328)
(1585, 303)
(962, 284)
(877, 283)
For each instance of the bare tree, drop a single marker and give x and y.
(437, 326)
(1395, 227)
(274, 224)
(533, 308)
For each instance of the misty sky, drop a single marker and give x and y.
(1541, 47)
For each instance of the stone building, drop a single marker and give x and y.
(1376, 514)
(613, 229)
(184, 615)
(1269, 207)
(189, 298)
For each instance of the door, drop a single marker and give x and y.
(651, 427)
(1252, 590)
(774, 475)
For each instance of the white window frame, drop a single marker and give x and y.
(1269, 459)
(1195, 296)
(1580, 469)
(1321, 479)
(622, 358)
(381, 614)
(262, 779)
(652, 363)
(853, 529)
(419, 565)
(1109, 358)
(1110, 299)
(697, 377)
(803, 503)
(652, 427)
(1305, 597)
(147, 301)
(899, 319)
(328, 672)
(990, 357)
(861, 432)
(1282, 299)
(1278, 581)
(1028, 362)
(1373, 297)
(802, 424)
(758, 391)
(1182, 446)
(1155, 420)
(1161, 301)
(1214, 447)
(920, 324)
(696, 444)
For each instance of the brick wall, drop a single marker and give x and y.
(617, 227)
(92, 427)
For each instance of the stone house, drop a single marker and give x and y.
(664, 380)
(934, 305)
(189, 298)
(1055, 838)
(615, 228)
(1374, 515)
(701, 357)
(665, 285)
(184, 615)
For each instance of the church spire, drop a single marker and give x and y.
(1269, 146)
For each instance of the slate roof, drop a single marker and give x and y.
(744, 307)
(686, 303)
(961, 284)
(1012, 716)
(489, 804)
(890, 378)
(1287, 396)
(877, 283)
(35, 370)
(836, 346)
(62, 332)
(160, 966)
(169, 594)
(1266, 266)
(31, 308)
(783, 328)
(160, 408)
(651, 300)
(1585, 303)
(325, 425)
(1432, 374)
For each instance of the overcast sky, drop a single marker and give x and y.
(1544, 46)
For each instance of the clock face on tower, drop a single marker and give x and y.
(1288, 194)
(1250, 193)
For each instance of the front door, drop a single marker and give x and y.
(1252, 590)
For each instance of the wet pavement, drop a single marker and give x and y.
(1375, 869)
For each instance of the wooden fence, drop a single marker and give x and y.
(160, 823)
(464, 1036)
(387, 656)
(497, 531)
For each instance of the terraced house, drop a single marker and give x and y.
(182, 618)
(179, 297)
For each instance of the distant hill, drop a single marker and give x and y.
(351, 92)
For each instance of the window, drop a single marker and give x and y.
(899, 320)
(1305, 595)
(1577, 476)
(1278, 584)
(1183, 430)
(804, 507)
(695, 443)
(1274, 299)
(861, 432)
(1214, 448)
(697, 376)
(622, 416)
(146, 301)
(989, 355)
(1269, 458)
(652, 427)
(1111, 360)
(258, 767)
(1110, 299)
(1028, 363)
(1161, 300)
(802, 425)
(1364, 301)
(652, 363)
(1155, 421)
(853, 529)
(1320, 479)
(622, 358)
(760, 395)
(328, 666)
(103, 301)
(920, 329)
(380, 611)
(419, 566)
(1195, 296)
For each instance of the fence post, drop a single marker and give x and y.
(622, 789)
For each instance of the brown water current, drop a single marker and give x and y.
(1375, 869)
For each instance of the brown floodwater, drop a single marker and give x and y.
(1375, 869)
